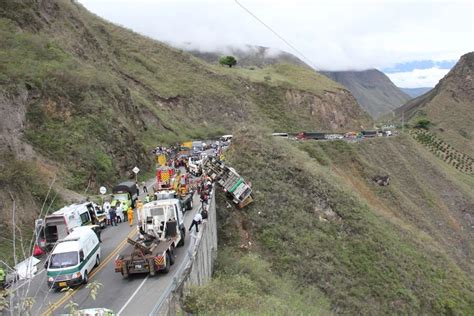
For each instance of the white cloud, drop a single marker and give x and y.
(418, 77)
(333, 34)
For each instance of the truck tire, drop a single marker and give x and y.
(172, 257)
(85, 278)
(97, 261)
(167, 266)
(124, 272)
(151, 267)
(182, 232)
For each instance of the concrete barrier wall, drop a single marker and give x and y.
(197, 267)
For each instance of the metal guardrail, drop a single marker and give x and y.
(177, 276)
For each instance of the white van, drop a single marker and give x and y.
(73, 258)
(58, 225)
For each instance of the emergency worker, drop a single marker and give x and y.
(130, 215)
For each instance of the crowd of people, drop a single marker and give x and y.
(118, 212)
(204, 190)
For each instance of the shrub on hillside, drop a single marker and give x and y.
(423, 123)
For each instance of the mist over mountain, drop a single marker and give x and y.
(247, 55)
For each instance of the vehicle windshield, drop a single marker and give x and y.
(164, 196)
(121, 197)
(157, 211)
(64, 260)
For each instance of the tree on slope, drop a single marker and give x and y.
(228, 61)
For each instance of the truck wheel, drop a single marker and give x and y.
(151, 267)
(167, 266)
(85, 278)
(182, 232)
(97, 261)
(172, 256)
(124, 272)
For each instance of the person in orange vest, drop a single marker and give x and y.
(130, 215)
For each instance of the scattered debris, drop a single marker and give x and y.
(382, 180)
(327, 214)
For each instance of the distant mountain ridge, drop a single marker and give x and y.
(449, 106)
(374, 91)
(247, 56)
(416, 92)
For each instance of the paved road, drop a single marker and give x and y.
(134, 296)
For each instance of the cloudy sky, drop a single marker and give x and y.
(414, 42)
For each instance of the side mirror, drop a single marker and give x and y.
(46, 264)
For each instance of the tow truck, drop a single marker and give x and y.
(161, 230)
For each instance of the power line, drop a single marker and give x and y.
(277, 35)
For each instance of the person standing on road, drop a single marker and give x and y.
(204, 198)
(145, 189)
(130, 215)
(119, 213)
(113, 216)
(124, 211)
(197, 219)
(139, 211)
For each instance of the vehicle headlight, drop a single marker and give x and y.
(76, 275)
(50, 279)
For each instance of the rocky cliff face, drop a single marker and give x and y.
(373, 90)
(449, 106)
(332, 110)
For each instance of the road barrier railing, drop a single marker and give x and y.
(196, 267)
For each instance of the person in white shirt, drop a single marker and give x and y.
(197, 219)
(119, 211)
(106, 208)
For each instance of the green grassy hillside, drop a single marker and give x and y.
(318, 216)
(449, 107)
(86, 100)
(82, 101)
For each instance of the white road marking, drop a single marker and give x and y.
(133, 295)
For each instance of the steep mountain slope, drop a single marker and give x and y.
(405, 248)
(415, 92)
(82, 101)
(449, 106)
(373, 90)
